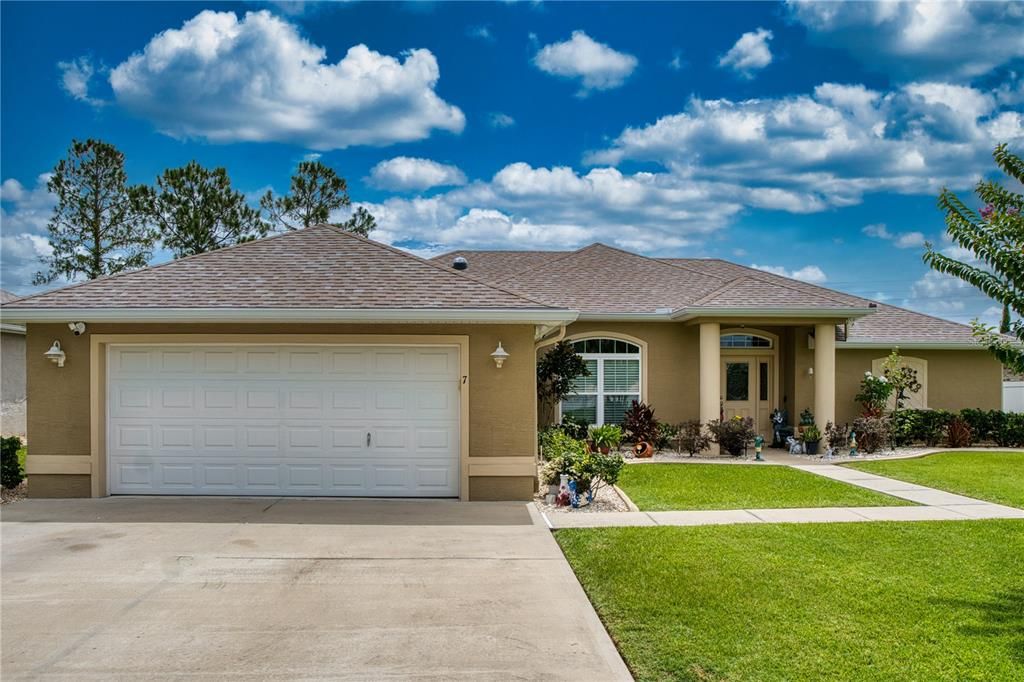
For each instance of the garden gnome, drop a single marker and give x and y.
(758, 444)
(853, 444)
(562, 499)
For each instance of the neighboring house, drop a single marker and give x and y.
(321, 363)
(12, 375)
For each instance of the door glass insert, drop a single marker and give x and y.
(762, 387)
(737, 381)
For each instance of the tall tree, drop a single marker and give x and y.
(195, 210)
(96, 228)
(995, 235)
(315, 191)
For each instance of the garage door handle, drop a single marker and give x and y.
(367, 439)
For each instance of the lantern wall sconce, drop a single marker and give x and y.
(500, 355)
(55, 354)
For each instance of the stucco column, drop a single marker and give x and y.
(710, 374)
(824, 374)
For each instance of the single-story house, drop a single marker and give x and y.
(321, 363)
(12, 374)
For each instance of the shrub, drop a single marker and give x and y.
(874, 394)
(872, 433)
(11, 474)
(666, 434)
(958, 433)
(590, 470)
(837, 435)
(979, 422)
(692, 438)
(919, 426)
(641, 424)
(557, 371)
(812, 434)
(607, 436)
(574, 427)
(732, 435)
(1007, 428)
(561, 452)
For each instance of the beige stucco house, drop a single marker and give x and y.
(320, 363)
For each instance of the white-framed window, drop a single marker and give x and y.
(733, 340)
(613, 384)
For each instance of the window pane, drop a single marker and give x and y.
(621, 376)
(587, 384)
(593, 345)
(737, 379)
(583, 407)
(745, 341)
(763, 378)
(579, 346)
(615, 407)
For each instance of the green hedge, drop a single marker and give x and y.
(11, 473)
(928, 427)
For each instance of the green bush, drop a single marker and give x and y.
(607, 436)
(666, 434)
(927, 427)
(574, 426)
(980, 423)
(570, 457)
(11, 474)
(691, 437)
(732, 435)
(1006, 428)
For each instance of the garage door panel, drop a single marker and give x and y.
(284, 420)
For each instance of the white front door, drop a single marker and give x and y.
(747, 390)
(283, 420)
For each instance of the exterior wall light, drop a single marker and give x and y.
(55, 354)
(499, 355)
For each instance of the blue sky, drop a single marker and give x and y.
(806, 138)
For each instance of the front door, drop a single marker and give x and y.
(747, 390)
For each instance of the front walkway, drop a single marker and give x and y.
(937, 505)
(264, 588)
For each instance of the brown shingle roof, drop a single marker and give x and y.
(601, 279)
(318, 267)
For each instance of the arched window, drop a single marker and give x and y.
(745, 341)
(613, 384)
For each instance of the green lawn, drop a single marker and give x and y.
(666, 487)
(993, 476)
(922, 601)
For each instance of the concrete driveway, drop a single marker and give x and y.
(121, 588)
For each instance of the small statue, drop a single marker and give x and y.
(758, 444)
(563, 498)
(795, 446)
(574, 498)
(853, 443)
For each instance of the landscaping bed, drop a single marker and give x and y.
(669, 487)
(875, 601)
(994, 476)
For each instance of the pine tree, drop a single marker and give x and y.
(995, 235)
(315, 192)
(97, 228)
(196, 210)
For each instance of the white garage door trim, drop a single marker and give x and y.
(101, 413)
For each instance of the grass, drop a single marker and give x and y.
(923, 601)
(666, 487)
(992, 476)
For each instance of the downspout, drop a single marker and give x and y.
(541, 342)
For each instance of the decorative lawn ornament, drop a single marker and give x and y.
(758, 444)
(562, 499)
(795, 446)
(853, 443)
(643, 449)
(574, 497)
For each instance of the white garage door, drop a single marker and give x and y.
(283, 420)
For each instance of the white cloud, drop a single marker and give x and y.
(830, 147)
(901, 240)
(24, 213)
(677, 63)
(809, 273)
(481, 32)
(407, 173)
(596, 64)
(75, 78)
(919, 38)
(500, 120)
(750, 53)
(226, 79)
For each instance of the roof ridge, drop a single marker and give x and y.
(437, 266)
(658, 261)
(173, 261)
(564, 255)
(715, 292)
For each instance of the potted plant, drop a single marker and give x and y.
(812, 437)
(606, 438)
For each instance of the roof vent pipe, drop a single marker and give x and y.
(460, 263)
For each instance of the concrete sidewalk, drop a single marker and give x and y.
(936, 505)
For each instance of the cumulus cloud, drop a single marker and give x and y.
(901, 240)
(24, 213)
(500, 120)
(919, 38)
(76, 77)
(809, 273)
(256, 79)
(750, 54)
(407, 173)
(597, 65)
(832, 146)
